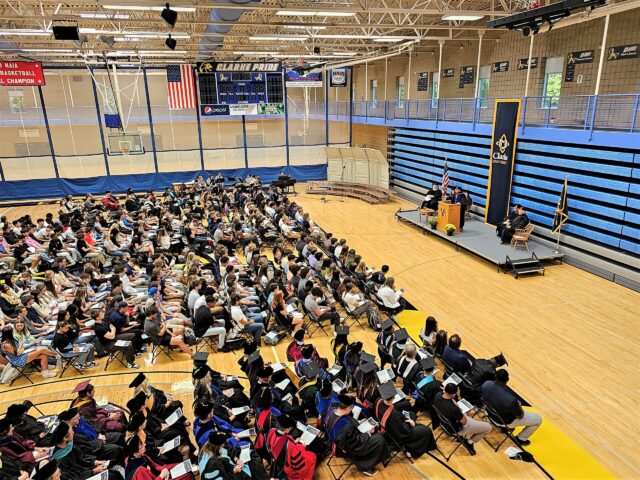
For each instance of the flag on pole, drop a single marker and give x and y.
(562, 210)
(182, 92)
(445, 179)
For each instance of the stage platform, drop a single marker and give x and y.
(480, 239)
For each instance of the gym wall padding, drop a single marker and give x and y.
(604, 182)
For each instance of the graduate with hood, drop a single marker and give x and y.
(139, 466)
(289, 459)
(104, 420)
(365, 449)
(403, 430)
(160, 403)
(26, 425)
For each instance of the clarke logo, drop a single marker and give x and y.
(502, 145)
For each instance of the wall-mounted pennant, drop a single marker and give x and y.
(500, 67)
(448, 72)
(585, 56)
(523, 63)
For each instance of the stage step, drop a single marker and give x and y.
(524, 266)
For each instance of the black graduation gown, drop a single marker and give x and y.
(364, 449)
(32, 429)
(417, 440)
(218, 469)
(408, 379)
(427, 393)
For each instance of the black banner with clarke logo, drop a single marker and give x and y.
(503, 151)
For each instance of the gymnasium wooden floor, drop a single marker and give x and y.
(571, 340)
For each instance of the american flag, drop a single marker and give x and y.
(445, 179)
(182, 92)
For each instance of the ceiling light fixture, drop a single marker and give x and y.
(24, 32)
(170, 42)
(141, 8)
(303, 27)
(282, 38)
(312, 13)
(105, 16)
(169, 16)
(462, 18)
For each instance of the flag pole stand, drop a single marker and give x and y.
(557, 250)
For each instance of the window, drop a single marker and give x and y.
(483, 86)
(400, 91)
(552, 82)
(374, 93)
(434, 90)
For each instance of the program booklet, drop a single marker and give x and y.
(174, 417)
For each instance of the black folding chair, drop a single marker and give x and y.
(67, 361)
(25, 371)
(335, 467)
(117, 354)
(446, 428)
(497, 421)
(313, 319)
(159, 349)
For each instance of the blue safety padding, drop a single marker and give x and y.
(633, 218)
(633, 203)
(635, 173)
(594, 181)
(634, 188)
(58, 187)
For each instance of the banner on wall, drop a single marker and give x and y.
(213, 67)
(295, 79)
(338, 77)
(423, 81)
(585, 56)
(448, 72)
(623, 52)
(503, 151)
(21, 74)
(500, 67)
(523, 63)
(242, 109)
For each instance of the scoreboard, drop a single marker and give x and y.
(241, 88)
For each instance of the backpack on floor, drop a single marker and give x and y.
(233, 344)
(373, 319)
(9, 373)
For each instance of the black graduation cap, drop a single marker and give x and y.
(368, 367)
(217, 438)
(137, 402)
(325, 388)
(307, 350)
(137, 381)
(342, 330)
(428, 363)
(367, 358)
(253, 358)
(387, 324)
(346, 400)
(286, 421)
(201, 372)
(59, 433)
(132, 446)
(203, 410)
(299, 335)
(401, 335)
(135, 421)
(45, 471)
(5, 424)
(200, 358)
(250, 348)
(387, 391)
(67, 415)
(265, 372)
(310, 370)
(17, 410)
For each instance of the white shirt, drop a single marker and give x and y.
(352, 300)
(192, 298)
(237, 314)
(389, 297)
(198, 302)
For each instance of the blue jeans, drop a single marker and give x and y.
(255, 329)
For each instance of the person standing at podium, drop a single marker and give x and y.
(460, 197)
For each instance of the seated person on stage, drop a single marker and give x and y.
(433, 196)
(521, 221)
(506, 223)
(472, 430)
(365, 449)
(417, 439)
(500, 398)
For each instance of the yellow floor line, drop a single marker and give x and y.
(552, 448)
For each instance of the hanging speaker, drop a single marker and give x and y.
(171, 42)
(169, 16)
(316, 50)
(66, 32)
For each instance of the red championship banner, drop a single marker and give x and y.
(16, 74)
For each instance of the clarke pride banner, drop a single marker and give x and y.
(21, 74)
(503, 152)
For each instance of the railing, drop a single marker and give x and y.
(584, 112)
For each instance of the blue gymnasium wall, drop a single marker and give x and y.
(59, 187)
(604, 182)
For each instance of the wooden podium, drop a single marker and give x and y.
(448, 213)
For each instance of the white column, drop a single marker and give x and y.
(602, 53)
(385, 79)
(441, 44)
(408, 95)
(366, 81)
(526, 85)
(480, 34)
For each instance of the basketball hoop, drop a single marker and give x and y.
(124, 151)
